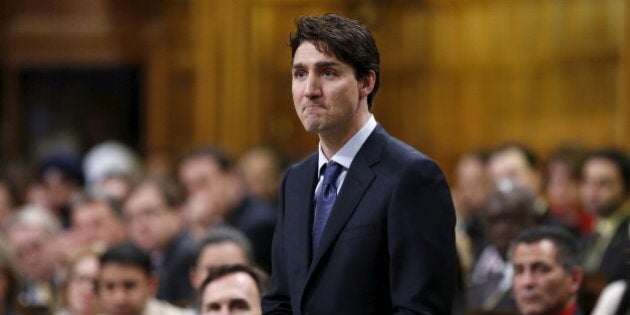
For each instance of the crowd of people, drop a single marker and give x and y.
(540, 237)
(99, 235)
(102, 235)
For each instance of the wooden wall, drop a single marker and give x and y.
(456, 75)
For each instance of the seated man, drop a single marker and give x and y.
(233, 289)
(155, 224)
(217, 196)
(605, 192)
(97, 220)
(547, 275)
(222, 245)
(126, 285)
(509, 211)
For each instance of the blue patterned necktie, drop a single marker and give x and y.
(325, 199)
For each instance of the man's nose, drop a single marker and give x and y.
(119, 296)
(225, 310)
(313, 87)
(528, 280)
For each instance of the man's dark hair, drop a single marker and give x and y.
(617, 157)
(168, 189)
(567, 249)
(127, 254)
(211, 153)
(88, 198)
(260, 277)
(225, 234)
(510, 197)
(530, 157)
(346, 39)
(67, 163)
(571, 156)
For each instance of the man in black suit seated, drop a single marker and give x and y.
(605, 189)
(217, 195)
(547, 275)
(155, 225)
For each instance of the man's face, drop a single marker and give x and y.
(602, 187)
(207, 187)
(58, 187)
(215, 255)
(471, 189)
(503, 222)
(326, 92)
(512, 165)
(96, 222)
(150, 222)
(562, 188)
(124, 289)
(261, 175)
(541, 285)
(200, 175)
(32, 253)
(232, 294)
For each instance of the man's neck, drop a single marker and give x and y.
(333, 141)
(569, 309)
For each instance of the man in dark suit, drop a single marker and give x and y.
(217, 195)
(547, 275)
(605, 189)
(366, 224)
(154, 224)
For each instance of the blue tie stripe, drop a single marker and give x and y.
(325, 199)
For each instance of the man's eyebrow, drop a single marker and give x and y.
(321, 64)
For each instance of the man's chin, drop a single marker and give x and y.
(532, 310)
(125, 311)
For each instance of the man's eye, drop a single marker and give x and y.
(213, 307)
(240, 304)
(299, 74)
(329, 73)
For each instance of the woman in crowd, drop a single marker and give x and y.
(78, 296)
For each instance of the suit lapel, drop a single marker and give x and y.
(300, 203)
(357, 181)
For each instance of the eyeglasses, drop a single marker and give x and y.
(83, 280)
(146, 213)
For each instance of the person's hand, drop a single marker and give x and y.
(201, 209)
(66, 246)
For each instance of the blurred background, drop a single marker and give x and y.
(166, 75)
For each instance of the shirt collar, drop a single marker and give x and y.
(607, 226)
(569, 310)
(346, 154)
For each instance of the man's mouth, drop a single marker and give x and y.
(309, 107)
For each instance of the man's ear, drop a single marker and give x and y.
(366, 84)
(192, 277)
(576, 278)
(153, 284)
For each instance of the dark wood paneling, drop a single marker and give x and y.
(456, 75)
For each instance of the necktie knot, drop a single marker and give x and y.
(331, 170)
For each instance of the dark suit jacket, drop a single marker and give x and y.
(256, 220)
(388, 246)
(173, 274)
(614, 264)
